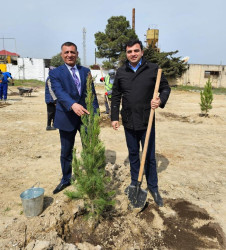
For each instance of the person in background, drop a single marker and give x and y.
(68, 82)
(1, 76)
(50, 100)
(4, 85)
(1, 88)
(134, 84)
(108, 83)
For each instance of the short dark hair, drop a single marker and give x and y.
(133, 42)
(68, 44)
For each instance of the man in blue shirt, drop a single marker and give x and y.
(4, 85)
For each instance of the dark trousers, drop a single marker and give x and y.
(107, 103)
(67, 140)
(51, 110)
(133, 139)
(3, 90)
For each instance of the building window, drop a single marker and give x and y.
(214, 74)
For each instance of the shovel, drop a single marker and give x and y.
(136, 195)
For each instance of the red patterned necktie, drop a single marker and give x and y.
(76, 80)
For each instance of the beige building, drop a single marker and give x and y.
(198, 74)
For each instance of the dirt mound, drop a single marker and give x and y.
(179, 225)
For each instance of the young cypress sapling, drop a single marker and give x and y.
(90, 176)
(206, 98)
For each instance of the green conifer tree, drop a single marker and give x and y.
(206, 98)
(173, 67)
(91, 179)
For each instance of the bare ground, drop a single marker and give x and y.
(191, 158)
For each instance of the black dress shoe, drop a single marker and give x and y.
(48, 128)
(60, 187)
(157, 198)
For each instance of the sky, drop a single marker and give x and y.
(196, 28)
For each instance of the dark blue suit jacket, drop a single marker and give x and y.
(66, 92)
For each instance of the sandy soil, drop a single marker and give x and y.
(191, 157)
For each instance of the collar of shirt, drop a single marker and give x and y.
(136, 68)
(76, 71)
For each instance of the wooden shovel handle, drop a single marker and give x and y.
(141, 171)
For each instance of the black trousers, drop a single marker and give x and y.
(51, 110)
(133, 139)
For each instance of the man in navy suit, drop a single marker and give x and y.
(69, 85)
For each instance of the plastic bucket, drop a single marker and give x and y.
(32, 201)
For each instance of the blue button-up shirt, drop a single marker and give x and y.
(136, 68)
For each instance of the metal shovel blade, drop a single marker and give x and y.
(137, 196)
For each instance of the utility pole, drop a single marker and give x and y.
(133, 19)
(84, 46)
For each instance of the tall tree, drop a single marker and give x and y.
(110, 44)
(173, 67)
